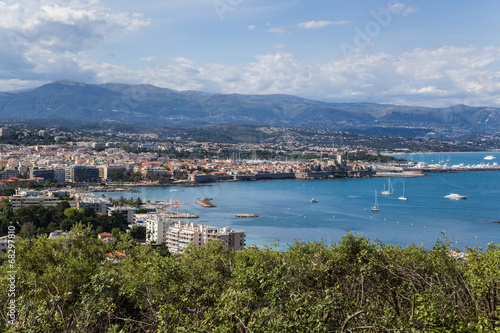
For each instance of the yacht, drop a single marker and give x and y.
(389, 191)
(455, 196)
(375, 207)
(403, 196)
(314, 200)
(490, 157)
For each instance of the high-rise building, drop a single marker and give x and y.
(42, 173)
(81, 174)
(9, 173)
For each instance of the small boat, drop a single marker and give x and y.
(314, 200)
(403, 196)
(455, 196)
(390, 190)
(490, 157)
(375, 207)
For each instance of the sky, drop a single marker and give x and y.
(408, 52)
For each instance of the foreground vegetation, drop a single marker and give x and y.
(67, 285)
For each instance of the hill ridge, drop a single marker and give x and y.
(150, 105)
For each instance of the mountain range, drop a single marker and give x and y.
(150, 105)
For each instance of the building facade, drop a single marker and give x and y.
(42, 173)
(157, 226)
(20, 200)
(10, 173)
(126, 211)
(88, 200)
(81, 174)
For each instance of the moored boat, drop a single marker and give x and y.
(375, 207)
(455, 196)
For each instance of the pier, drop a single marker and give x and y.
(246, 215)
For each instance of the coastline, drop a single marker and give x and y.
(283, 205)
(444, 152)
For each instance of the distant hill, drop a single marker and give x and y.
(150, 105)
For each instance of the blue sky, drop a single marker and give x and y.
(410, 52)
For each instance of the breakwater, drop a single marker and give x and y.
(246, 215)
(205, 202)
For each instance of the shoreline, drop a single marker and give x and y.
(376, 174)
(446, 152)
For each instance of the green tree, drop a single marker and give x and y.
(138, 232)
(73, 213)
(118, 221)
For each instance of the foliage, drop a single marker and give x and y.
(138, 232)
(68, 285)
(38, 220)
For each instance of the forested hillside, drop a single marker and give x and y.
(116, 104)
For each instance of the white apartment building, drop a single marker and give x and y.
(181, 234)
(23, 199)
(234, 239)
(157, 226)
(88, 200)
(105, 171)
(177, 235)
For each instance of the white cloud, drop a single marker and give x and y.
(436, 77)
(431, 90)
(409, 10)
(320, 24)
(277, 30)
(401, 8)
(417, 77)
(252, 27)
(182, 60)
(46, 37)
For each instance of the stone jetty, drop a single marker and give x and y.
(205, 202)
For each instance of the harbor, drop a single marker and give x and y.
(422, 164)
(286, 213)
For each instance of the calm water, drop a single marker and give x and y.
(286, 212)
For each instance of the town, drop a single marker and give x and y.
(49, 166)
(61, 175)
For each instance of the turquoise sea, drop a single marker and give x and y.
(287, 213)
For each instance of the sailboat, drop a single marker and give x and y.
(375, 207)
(390, 190)
(403, 196)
